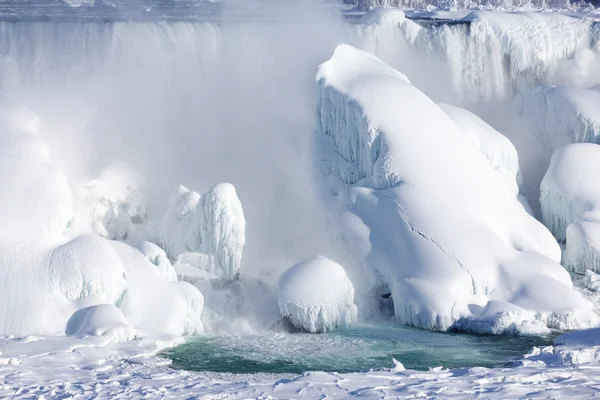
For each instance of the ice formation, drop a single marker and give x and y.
(426, 212)
(317, 296)
(50, 271)
(561, 115)
(569, 201)
(452, 5)
(212, 226)
(113, 202)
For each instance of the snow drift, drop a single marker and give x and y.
(570, 196)
(426, 212)
(317, 296)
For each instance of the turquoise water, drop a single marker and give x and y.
(348, 350)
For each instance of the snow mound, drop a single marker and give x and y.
(569, 202)
(317, 296)
(114, 202)
(158, 257)
(212, 224)
(101, 320)
(425, 212)
(562, 115)
(496, 147)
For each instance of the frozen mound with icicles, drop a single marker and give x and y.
(50, 271)
(317, 296)
(205, 232)
(430, 218)
(496, 147)
(488, 55)
(570, 196)
(561, 115)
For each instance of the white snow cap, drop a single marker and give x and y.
(570, 200)
(212, 224)
(426, 213)
(317, 296)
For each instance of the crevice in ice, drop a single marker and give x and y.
(405, 218)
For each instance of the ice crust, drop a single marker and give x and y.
(317, 296)
(447, 248)
(212, 225)
(569, 201)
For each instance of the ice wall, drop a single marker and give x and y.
(426, 212)
(485, 55)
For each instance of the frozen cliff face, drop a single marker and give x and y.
(427, 214)
(481, 57)
(50, 272)
(317, 296)
(113, 203)
(570, 196)
(500, 152)
(212, 225)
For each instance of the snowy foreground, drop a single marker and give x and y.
(81, 368)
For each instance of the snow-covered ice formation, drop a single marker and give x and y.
(50, 272)
(317, 296)
(562, 115)
(570, 198)
(426, 212)
(211, 226)
(452, 5)
(101, 320)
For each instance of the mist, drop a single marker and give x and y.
(189, 103)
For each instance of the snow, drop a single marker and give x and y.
(101, 320)
(212, 224)
(569, 200)
(495, 147)
(390, 154)
(317, 296)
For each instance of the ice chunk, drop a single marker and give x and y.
(212, 224)
(570, 196)
(425, 212)
(101, 320)
(317, 296)
(222, 229)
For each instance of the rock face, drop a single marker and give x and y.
(570, 196)
(317, 296)
(419, 200)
